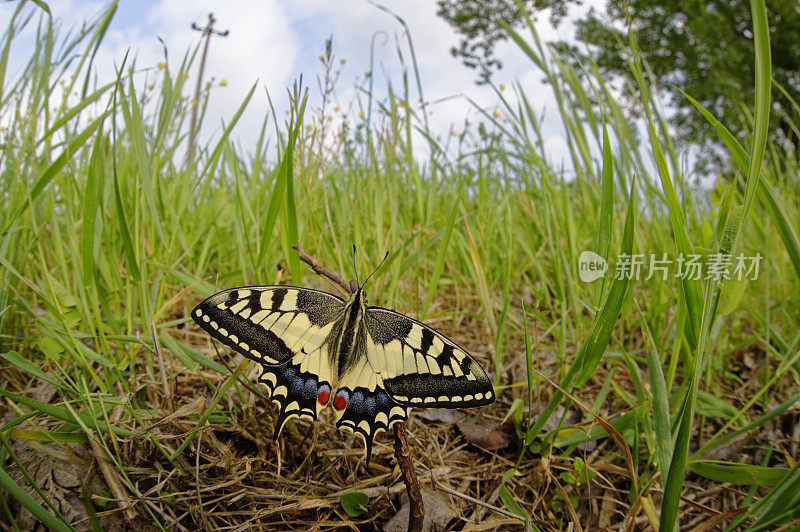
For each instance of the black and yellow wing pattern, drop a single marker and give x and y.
(316, 349)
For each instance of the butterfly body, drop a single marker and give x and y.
(316, 349)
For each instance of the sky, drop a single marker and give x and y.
(274, 42)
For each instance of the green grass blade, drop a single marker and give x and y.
(763, 70)
(291, 228)
(55, 167)
(779, 505)
(17, 493)
(605, 224)
(743, 474)
(660, 399)
(438, 266)
(92, 195)
(24, 364)
(596, 341)
(64, 414)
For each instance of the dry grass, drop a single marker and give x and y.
(233, 477)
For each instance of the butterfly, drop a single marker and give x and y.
(316, 349)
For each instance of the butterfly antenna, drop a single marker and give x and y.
(377, 268)
(355, 269)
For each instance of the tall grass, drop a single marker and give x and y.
(107, 231)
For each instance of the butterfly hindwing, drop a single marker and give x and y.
(293, 390)
(420, 366)
(369, 408)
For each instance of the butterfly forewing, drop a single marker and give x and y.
(422, 367)
(269, 324)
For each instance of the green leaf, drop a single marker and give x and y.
(605, 225)
(508, 499)
(779, 505)
(743, 474)
(660, 401)
(354, 503)
(24, 364)
(49, 435)
(95, 178)
(190, 357)
(568, 477)
(710, 406)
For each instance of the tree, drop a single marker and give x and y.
(704, 48)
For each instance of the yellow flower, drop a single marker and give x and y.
(223, 82)
(321, 57)
(162, 66)
(367, 74)
(309, 127)
(361, 115)
(502, 86)
(336, 108)
(496, 114)
(342, 60)
(151, 86)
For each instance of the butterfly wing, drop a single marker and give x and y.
(285, 329)
(420, 366)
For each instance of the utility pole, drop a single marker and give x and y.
(208, 31)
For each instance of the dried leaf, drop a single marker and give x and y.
(486, 436)
(441, 415)
(438, 513)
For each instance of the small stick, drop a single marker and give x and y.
(473, 500)
(157, 352)
(321, 270)
(402, 452)
(164, 384)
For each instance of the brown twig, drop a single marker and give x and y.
(321, 270)
(402, 452)
(473, 500)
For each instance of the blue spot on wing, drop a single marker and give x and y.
(301, 388)
(365, 405)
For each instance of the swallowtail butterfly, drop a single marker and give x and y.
(370, 363)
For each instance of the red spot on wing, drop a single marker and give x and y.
(323, 395)
(340, 401)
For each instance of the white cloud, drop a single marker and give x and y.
(275, 41)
